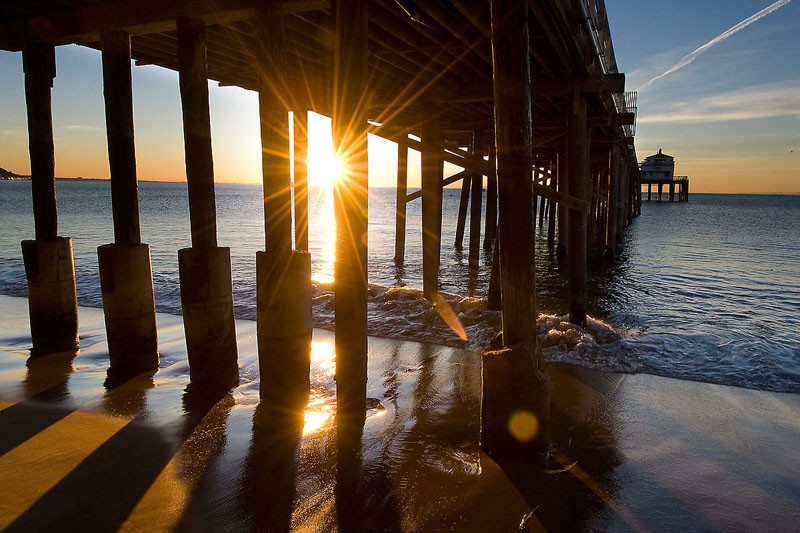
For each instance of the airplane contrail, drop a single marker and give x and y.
(688, 58)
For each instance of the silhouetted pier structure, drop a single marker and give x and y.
(678, 185)
(659, 169)
(525, 94)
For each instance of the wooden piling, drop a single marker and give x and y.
(490, 233)
(197, 132)
(552, 210)
(126, 279)
(350, 205)
(118, 96)
(301, 180)
(562, 219)
(39, 62)
(577, 176)
(401, 203)
(49, 265)
(512, 379)
(624, 198)
(463, 202)
(476, 201)
(205, 269)
(613, 201)
(432, 175)
(274, 114)
(283, 276)
(542, 210)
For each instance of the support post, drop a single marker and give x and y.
(350, 205)
(463, 202)
(542, 209)
(49, 266)
(126, 279)
(613, 201)
(475, 220)
(401, 203)
(577, 174)
(283, 276)
(624, 198)
(552, 209)
(490, 233)
(513, 382)
(432, 173)
(205, 269)
(561, 210)
(301, 180)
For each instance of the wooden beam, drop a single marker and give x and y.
(561, 198)
(83, 24)
(456, 156)
(445, 182)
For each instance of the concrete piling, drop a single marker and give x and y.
(53, 305)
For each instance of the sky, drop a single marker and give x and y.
(718, 89)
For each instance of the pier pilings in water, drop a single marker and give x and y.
(351, 75)
(205, 268)
(126, 279)
(513, 378)
(531, 100)
(49, 265)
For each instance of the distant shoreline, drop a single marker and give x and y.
(17, 177)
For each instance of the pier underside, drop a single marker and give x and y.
(629, 451)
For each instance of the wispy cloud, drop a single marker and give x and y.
(759, 101)
(83, 127)
(688, 58)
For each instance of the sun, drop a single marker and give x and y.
(324, 166)
(324, 169)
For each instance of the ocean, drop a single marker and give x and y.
(707, 290)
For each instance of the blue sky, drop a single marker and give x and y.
(731, 117)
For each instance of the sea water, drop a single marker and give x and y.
(707, 290)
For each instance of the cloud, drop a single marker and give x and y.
(685, 60)
(83, 127)
(758, 101)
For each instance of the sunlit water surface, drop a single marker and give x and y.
(706, 290)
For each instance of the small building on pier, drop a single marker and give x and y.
(659, 168)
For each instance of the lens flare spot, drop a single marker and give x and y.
(523, 425)
(449, 316)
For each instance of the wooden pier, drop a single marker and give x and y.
(659, 169)
(526, 95)
(679, 186)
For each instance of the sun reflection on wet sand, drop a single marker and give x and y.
(318, 413)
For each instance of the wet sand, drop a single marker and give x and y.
(630, 452)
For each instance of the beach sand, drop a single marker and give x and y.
(630, 452)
